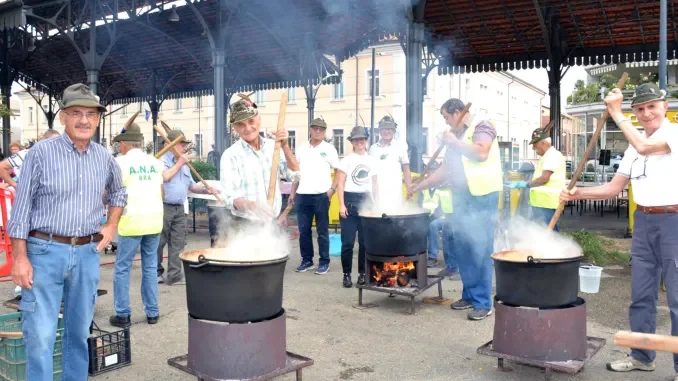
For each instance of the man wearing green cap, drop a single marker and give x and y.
(548, 179)
(57, 234)
(312, 195)
(246, 168)
(650, 164)
(177, 181)
(140, 225)
(394, 165)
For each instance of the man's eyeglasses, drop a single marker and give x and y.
(643, 175)
(77, 115)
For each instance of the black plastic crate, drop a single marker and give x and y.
(108, 350)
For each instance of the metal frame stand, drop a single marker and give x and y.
(409, 292)
(295, 363)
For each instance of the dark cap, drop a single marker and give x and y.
(539, 134)
(318, 122)
(358, 132)
(174, 134)
(647, 92)
(131, 134)
(243, 109)
(80, 95)
(387, 122)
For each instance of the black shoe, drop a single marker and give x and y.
(152, 319)
(347, 281)
(361, 279)
(120, 321)
(461, 304)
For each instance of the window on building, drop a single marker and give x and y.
(338, 141)
(292, 139)
(376, 83)
(141, 107)
(124, 110)
(500, 94)
(516, 158)
(177, 104)
(45, 110)
(525, 149)
(30, 115)
(425, 141)
(500, 138)
(197, 141)
(260, 97)
(197, 103)
(292, 94)
(338, 91)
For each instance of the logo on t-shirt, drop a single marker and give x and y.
(360, 174)
(383, 156)
(323, 154)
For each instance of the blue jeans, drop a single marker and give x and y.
(309, 206)
(434, 228)
(545, 215)
(473, 237)
(59, 271)
(127, 248)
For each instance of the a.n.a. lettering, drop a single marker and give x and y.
(143, 172)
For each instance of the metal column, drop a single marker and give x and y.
(662, 43)
(310, 104)
(153, 104)
(6, 87)
(93, 83)
(374, 83)
(415, 94)
(219, 62)
(554, 93)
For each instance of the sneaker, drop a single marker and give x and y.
(628, 364)
(479, 314)
(323, 269)
(461, 304)
(161, 280)
(431, 263)
(152, 319)
(447, 273)
(179, 281)
(120, 321)
(304, 266)
(361, 279)
(347, 281)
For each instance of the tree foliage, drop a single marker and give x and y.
(591, 92)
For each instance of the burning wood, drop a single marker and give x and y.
(393, 274)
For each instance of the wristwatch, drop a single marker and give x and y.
(333, 190)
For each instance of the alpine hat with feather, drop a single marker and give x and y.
(243, 109)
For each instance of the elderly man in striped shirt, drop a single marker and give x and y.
(57, 234)
(246, 169)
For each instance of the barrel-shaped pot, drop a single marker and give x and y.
(396, 235)
(526, 280)
(234, 292)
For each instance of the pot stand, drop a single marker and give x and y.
(294, 363)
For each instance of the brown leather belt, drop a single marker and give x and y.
(74, 241)
(658, 209)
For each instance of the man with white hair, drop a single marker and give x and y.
(548, 179)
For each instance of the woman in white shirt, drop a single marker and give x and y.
(356, 179)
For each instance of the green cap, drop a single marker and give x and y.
(387, 122)
(358, 132)
(131, 134)
(647, 92)
(80, 95)
(243, 109)
(174, 134)
(319, 122)
(539, 134)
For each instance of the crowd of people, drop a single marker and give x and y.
(57, 230)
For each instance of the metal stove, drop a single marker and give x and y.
(553, 339)
(252, 351)
(406, 276)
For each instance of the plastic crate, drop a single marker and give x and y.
(13, 351)
(108, 350)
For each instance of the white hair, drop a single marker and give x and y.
(548, 140)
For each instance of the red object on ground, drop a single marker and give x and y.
(6, 202)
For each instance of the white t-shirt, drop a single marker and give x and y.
(359, 170)
(316, 164)
(390, 160)
(552, 159)
(659, 185)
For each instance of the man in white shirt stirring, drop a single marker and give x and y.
(394, 165)
(312, 195)
(650, 163)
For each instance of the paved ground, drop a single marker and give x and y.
(381, 343)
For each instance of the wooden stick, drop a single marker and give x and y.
(646, 341)
(177, 153)
(285, 212)
(276, 151)
(169, 147)
(584, 159)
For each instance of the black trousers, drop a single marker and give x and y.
(350, 226)
(218, 222)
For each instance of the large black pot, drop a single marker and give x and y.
(392, 236)
(234, 292)
(525, 281)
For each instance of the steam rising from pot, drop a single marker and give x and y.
(254, 243)
(528, 236)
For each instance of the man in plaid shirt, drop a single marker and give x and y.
(246, 168)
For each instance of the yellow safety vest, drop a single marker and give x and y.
(483, 177)
(445, 200)
(431, 202)
(442, 197)
(548, 195)
(142, 176)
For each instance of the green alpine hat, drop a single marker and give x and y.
(174, 134)
(358, 132)
(647, 92)
(131, 134)
(387, 122)
(319, 122)
(80, 95)
(243, 109)
(539, 134)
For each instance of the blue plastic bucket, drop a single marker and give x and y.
(335, 245)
